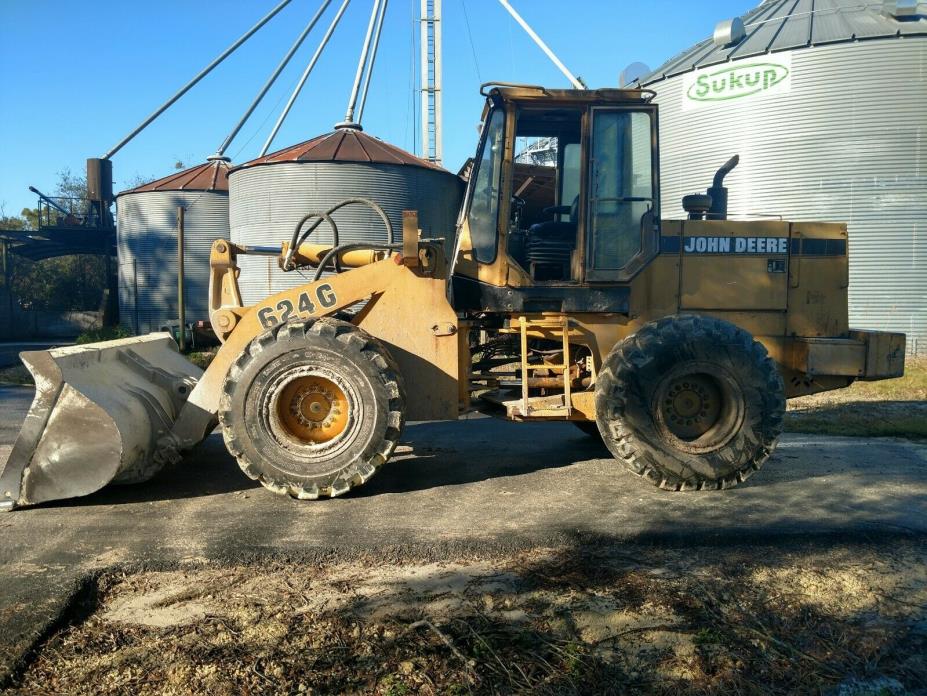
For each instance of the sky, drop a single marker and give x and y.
(75, 77)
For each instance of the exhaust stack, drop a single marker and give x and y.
(718, 192)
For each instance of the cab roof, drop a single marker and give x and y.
(528, 93)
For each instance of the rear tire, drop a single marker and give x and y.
(690, 403)
(312, 408)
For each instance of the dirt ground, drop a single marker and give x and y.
(806, 618)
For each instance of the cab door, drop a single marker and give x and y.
(622, 220)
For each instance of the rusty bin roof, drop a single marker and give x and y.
(343, 145)
(209, 176)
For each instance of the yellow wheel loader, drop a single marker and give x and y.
(561, 296)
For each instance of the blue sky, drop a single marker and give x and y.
(77, 76)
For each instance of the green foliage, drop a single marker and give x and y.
(65, 283)
(707, 636)
(392, 685)
(12, 222)
(30, 218)
(201, 358)
(104, 333)
(887, 408)
(69, 186)
(17, 374)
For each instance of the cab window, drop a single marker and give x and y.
(543, 234)
(620, 190)
(482, 217)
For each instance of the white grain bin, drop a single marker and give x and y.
(825, 101)
(146, 235)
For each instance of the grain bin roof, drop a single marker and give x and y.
(781, 25)
(343, 145)
(209, 176)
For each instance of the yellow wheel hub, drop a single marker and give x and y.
(313, 409)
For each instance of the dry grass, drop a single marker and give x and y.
(628, 620)
(892, 407)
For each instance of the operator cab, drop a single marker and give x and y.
(563, 192)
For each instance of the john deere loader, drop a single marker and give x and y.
(563, 295)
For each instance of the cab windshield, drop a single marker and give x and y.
(482, 217)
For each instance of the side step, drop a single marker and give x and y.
(558, 405)
(540, 407)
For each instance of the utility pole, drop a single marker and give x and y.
(181, 309)
(430, 41)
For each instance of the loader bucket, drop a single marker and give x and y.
(98, 412)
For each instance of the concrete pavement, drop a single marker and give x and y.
(471, 486)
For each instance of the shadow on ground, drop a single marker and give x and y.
(842, 476)
(434, 461)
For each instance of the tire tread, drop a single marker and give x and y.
(735, 347)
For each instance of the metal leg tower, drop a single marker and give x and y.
(431, 80)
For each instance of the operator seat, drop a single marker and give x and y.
(549, 245)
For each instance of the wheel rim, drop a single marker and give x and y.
(313, 409)
(698, 410)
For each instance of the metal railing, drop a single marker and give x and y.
(58, 211)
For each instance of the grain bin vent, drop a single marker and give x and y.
(729, 32)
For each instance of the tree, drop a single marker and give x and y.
(11, 222)
(64, 283)
(71, 185)
(138, 180)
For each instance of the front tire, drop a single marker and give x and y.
(312, 408)
(690, 403)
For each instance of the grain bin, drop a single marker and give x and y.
(146, 236)
(825, 101)
(268, 196)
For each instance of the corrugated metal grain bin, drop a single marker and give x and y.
(146, 232)
(268, 197)
(825, 101)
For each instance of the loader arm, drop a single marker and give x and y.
(406, 309)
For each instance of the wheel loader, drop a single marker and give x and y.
(562, 295)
